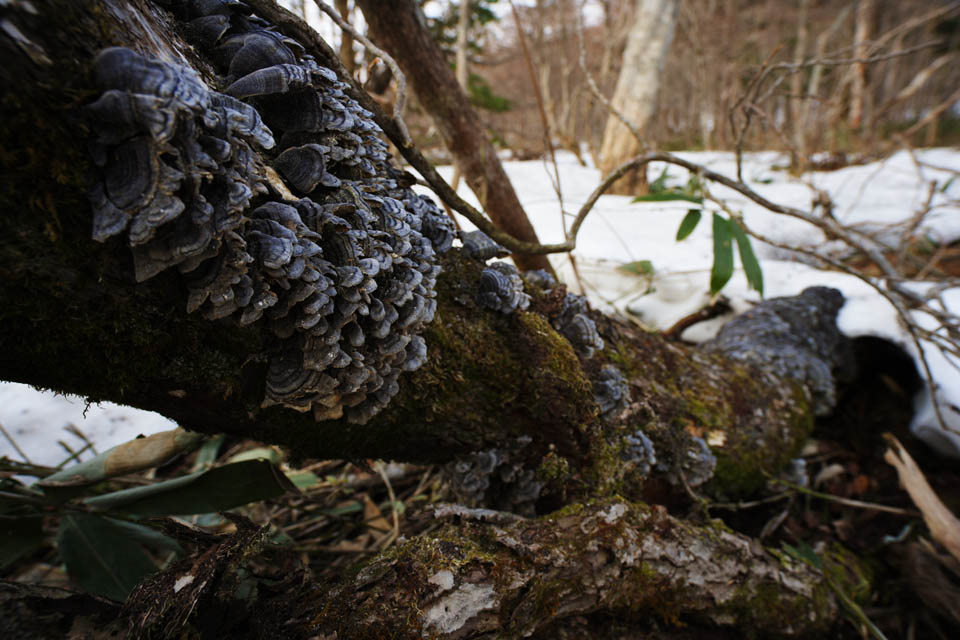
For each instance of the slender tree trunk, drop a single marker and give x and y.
(861, 49)
(811, 104)
(796, 100)
(637, 87)
(346, 38)
(463, 72)
(396, 26)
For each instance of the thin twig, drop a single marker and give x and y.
(750, 504)
(75, 430)
(848, 502)
(15, 445)
(393, 506)
(547, 138)
(401, 97)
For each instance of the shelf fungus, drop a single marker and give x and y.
(480, 246)
(796, 337)
(639, 452)
(497, 478)
(611, 392)
(695, 465)
(572, 319)
(341, 276)
(501, 288)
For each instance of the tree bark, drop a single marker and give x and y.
(75, 320)
(861, 49)
(637, 86)
(395, 25)
(517, 578)
(346, 38)
(795, 101)
(491, 575)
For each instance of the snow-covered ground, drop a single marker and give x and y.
(877, 197)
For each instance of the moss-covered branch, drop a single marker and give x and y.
(75, 320)
(493, 575)
(610, 557)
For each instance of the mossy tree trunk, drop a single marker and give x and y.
(74, 320)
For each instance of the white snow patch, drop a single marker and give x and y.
(36, 421)
(455, 610)
(880, 198)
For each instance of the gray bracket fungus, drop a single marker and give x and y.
(344, 277)
(696, 462)
(501, 288)
(611, 392)
(794, 337)
(480, 246)
(572, 322)
(497, 471)
(639, 452)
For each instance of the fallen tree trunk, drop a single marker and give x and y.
(77, 321)
(492, 574)
(531, 388)
(517, 579)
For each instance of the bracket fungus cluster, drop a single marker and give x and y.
(611, 392)
(639, 452)
(501, 288)
(795, 336)
(572, 322)
(497, 477)
(342, 273)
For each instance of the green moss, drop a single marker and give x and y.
(753, 423)
(489, 377)
(848, 573)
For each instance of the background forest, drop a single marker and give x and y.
(798, 75)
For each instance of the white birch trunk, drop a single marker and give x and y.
(635, 96)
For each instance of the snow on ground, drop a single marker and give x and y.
(36, 420)
(876, 197)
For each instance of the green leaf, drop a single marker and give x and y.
(639, 267)
(303, 479)
(694, 185)
(101, 557)
(666, 196)
(208, 452)
(722, 254)
(750, 264)
(218, 489)
(348, 508)
(19, 536)
(660, 184)
(265, 453)
(805, 553)
(147, 536)
(688, 224)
